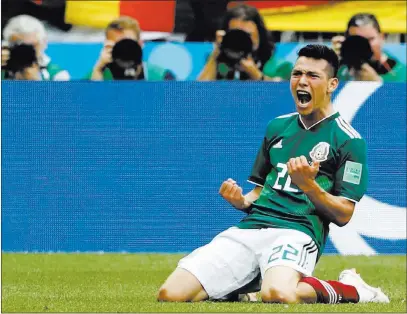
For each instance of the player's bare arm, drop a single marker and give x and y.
(336, 209)
(233, 193)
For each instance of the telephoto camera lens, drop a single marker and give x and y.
(21, 56)
(355, 51)
(236, 45)
(127, 51)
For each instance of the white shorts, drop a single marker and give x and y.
(236, 256)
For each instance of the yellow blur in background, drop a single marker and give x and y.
(333, 17)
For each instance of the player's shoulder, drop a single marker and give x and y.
(280, 123)
(283, 119)
(345, 132)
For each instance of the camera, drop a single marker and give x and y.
(355, 51)
(21, 57)
(127, 56)
(236, 45)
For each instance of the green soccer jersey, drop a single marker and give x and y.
(343, 172)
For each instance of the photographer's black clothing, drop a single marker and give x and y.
(199, 19)
(382, 69)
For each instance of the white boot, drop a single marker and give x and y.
(366, 292)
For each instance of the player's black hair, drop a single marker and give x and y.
(362, 19)
(316, 51)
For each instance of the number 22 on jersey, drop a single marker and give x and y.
(280, 176)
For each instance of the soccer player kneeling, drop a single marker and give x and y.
(309, 172)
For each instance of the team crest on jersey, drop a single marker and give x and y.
(320, 152)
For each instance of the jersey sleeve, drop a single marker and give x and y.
(352, 175)
(262, 166)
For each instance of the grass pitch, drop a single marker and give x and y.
(129, 283)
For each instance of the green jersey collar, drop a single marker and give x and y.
(327, 118)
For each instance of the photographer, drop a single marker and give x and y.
(121, 55)
(361, 54)
(25, 29)
(23, 64)
(236, 58)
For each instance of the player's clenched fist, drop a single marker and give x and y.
(301, 172)
(233, 193)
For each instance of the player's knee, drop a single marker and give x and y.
(166, 294)
(275, 294)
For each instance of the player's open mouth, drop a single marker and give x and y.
(303, 97)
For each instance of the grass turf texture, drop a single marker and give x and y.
(129, 283)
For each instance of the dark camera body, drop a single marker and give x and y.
(236, 45)
(355, 51)
(21, 56)
(127, 56)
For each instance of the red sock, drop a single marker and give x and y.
(332, 291)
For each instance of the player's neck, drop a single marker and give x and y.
(317, 116)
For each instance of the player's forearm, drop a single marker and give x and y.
(334, 208)
(253, 195)
(249, 199)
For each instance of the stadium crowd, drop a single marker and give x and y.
(243, 50)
